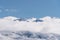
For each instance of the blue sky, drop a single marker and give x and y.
(30, 8)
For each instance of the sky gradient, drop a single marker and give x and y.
(30, 8)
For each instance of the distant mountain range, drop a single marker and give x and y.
(35, 20)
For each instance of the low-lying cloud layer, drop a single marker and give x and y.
(48, 25)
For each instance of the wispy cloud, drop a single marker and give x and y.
(8, 10)
(0, 10)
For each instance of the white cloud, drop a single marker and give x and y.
(3, 9)
(10, 10)
(49, 25)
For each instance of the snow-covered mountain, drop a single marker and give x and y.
(46, 28)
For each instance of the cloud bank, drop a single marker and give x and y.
(48, 25)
